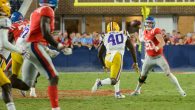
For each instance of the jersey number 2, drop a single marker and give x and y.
(115, 39)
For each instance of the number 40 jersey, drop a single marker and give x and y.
(115, 42)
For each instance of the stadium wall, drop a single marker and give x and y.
(83, 59)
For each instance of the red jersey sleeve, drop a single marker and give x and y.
(48, 11)
(157, 31)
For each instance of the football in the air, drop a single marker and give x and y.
(135, 23)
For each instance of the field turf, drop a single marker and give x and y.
(157, 94)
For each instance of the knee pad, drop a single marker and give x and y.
(6, 93)
(113, 81)
(142, 79)
(54, 80)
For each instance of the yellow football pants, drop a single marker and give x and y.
(17, 61)
(115, 66)
(3, 78)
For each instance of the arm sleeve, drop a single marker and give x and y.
(46, 31)
(101, 51)
(157, 31)
(48, 12)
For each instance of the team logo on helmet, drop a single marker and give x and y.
(149, 20)
(113, 26)
(4, 8)
(51, 3)
(16, 16)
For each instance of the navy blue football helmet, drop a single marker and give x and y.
(149, 20)
(16, 16)
(51, 3)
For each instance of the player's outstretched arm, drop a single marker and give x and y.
(132, 50)
(101, 51)
(46, 31)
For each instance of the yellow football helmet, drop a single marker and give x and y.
(113, 26)
(4, 8)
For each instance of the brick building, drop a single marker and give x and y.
(89, 19)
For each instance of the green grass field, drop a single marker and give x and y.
(157, 94)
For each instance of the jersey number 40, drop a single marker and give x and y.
(115, 39)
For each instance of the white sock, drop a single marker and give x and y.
(138, 87)
(116, 87)
(10, 106)
(106, 81)
(175, 81)
(32, 89)
(58, 108)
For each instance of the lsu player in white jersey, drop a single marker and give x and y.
(114, 43)
(5, 24)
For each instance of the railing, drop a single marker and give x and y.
(125, 3)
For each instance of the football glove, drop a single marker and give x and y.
(52, 53)
(67, 51)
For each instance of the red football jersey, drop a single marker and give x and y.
(35, 20)
(151, 42)
(17, 28)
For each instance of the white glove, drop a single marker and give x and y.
(67, 51)
(52, 53)
(25, 53)
(60, 46)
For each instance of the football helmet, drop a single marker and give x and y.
(149, 20)
(4, 8)
(113, 26)
(16, 16)
(51, 3)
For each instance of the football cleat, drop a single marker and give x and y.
(135, 93)
(118, 95)
(96, 85)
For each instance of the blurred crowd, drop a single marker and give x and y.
(73, 39)
(92, 40)
(174, 38)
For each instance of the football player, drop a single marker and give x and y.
(154, 43)
(41, 26)
(5, 24)
(17, 27)
(114, 43)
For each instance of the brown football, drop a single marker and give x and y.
(135, 23)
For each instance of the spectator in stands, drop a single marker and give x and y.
(96, 41)
(180, 40)
(76, 40)
(67, 43)
(166, 37)
(61, 37)
(173, 38)
(188, 39)
(87, 40)
(193, 39)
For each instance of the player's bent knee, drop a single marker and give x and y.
(54, 80)
(142, 79)
(113, 81)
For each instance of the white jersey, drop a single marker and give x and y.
(115, 42)
(21, 41)
(5, 24)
